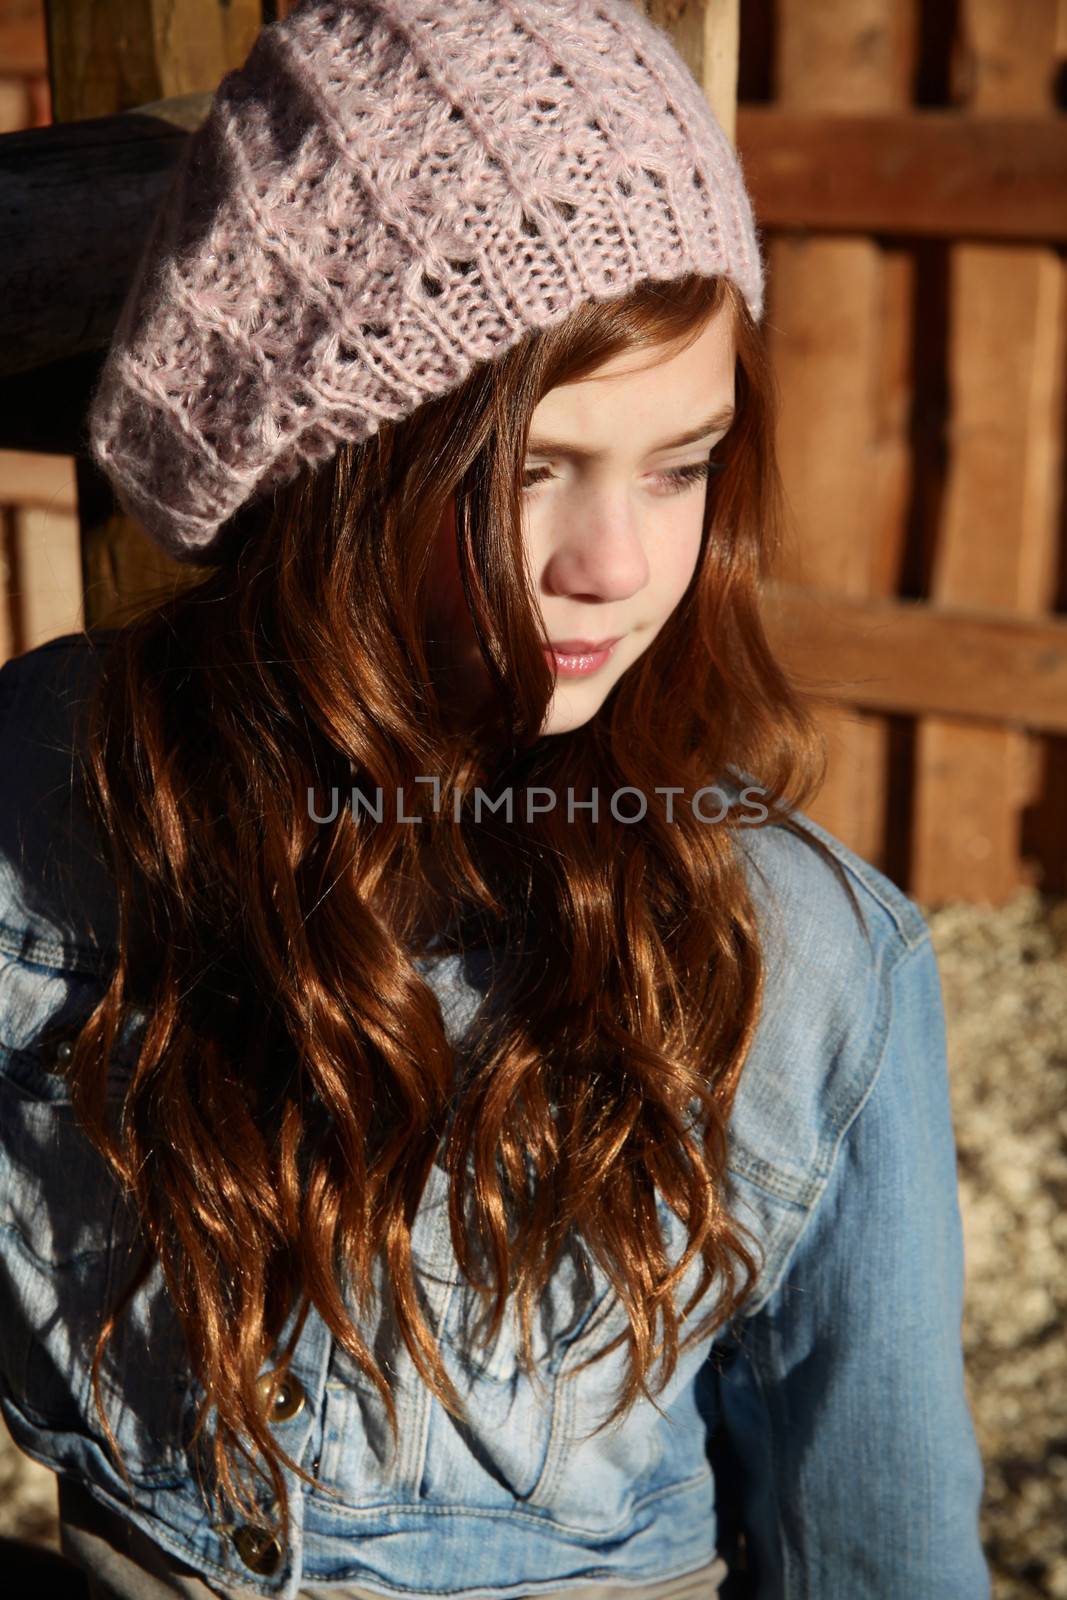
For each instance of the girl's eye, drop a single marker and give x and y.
(674, 481)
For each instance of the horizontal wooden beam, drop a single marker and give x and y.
(944, 174)
(76, 198)
(914, 657)
(29, 479)
(76, 202)
(23, 41)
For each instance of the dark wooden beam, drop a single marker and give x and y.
(129, 62)
(942, 174)
(76, 200)
(911, 656)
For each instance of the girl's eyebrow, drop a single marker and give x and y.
(553, 447)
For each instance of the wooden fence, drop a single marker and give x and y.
(908, 168)
(909, 165)
(40, 577)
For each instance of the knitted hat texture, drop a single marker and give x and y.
(385, 194)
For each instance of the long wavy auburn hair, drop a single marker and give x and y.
(294, 1082)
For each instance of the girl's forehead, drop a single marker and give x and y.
(657, 404)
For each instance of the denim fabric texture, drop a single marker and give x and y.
(829, 1425)
(122, 1563)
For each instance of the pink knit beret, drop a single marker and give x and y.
(387, 193)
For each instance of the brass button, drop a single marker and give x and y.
(288, 1397)
(258, 1548)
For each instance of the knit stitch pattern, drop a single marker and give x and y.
(386, 194)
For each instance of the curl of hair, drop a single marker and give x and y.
(294, 1082)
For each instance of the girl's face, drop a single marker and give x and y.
(612, 513)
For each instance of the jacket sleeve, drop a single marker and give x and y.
(844, 1407)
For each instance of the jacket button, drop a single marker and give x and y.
(57, 1048)
(288, 1397)
(258, 1548)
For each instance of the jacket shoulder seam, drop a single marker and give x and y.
(905, 915)
(805, 1196)
(806, 1192)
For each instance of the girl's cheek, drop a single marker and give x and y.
(680, 562)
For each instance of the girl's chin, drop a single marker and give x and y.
(572, 709)
(469, 700)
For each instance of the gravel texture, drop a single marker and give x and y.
(1004, 977)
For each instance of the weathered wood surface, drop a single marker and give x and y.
(76, 201)
(890, 655)
(939, 174)
(839, 331)
(107, 57)
(997, 533)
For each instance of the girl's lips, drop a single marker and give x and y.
(582, 647)
(578, 664)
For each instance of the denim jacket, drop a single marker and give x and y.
(823, 1443)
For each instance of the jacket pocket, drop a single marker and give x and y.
(569, 1321)
(69, 1241)
(502, 1446)
(529, 1436)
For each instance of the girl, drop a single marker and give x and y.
(465, 1131)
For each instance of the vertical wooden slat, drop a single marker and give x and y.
(46, 571)
(40, 568)
(9, 629)
(706, 34)
(839, 331)
(997, 539)
(29, 479)
(106, 56)
(40, 586)
(1044, 832)
(110, 55)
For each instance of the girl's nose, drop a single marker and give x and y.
(601, 561)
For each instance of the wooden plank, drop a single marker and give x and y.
(839, 333)
(1044, 835)
(912, 657)
(23, 49)
(112, 173)
(64, 286)
(707, 35)
(98, 64)
(993, 177)
(941, 174)
(47, 589)
(30, 479)
(101, 60)
(9, 616)
(969, 850)
(16, 110)
(997, 537)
